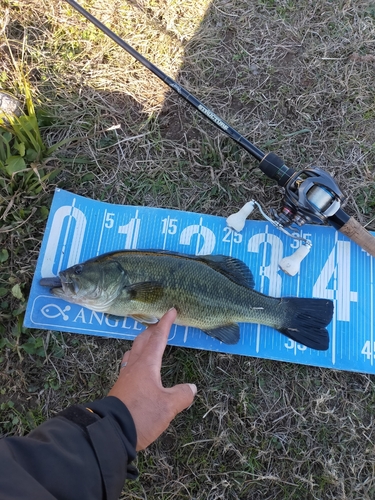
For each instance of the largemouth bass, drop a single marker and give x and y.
(213, 293)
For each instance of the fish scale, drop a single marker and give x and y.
(197, 291)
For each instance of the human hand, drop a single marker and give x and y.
(140, 388)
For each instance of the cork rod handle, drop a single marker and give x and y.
(353, 230)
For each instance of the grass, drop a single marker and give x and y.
(293, 77)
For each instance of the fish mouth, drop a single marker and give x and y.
(60, 285)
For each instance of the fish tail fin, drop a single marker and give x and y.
(306, 320)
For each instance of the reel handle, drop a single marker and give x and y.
(353, 230)
(291, 264)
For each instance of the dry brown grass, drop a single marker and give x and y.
(295, 77)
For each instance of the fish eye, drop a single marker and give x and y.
(78, 269)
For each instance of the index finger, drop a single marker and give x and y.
(158, 339)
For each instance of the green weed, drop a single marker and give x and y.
(22, 150)
(18, 420)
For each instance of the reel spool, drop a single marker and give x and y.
(310, 196)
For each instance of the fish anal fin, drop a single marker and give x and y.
(148, 291)
(228, 334)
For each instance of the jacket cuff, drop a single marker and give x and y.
(121, 417)
(112, 434)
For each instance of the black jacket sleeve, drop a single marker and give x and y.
(78, 454)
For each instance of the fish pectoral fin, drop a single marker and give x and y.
(148, 291)
(229, 334)
(144, 319)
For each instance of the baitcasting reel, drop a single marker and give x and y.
(310, 196)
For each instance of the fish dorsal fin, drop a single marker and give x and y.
(233, 269)
(148, 291)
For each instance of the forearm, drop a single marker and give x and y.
(75, 455)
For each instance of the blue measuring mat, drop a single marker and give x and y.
(336, 268)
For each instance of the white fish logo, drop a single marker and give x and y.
(53, 311)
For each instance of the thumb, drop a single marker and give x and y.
(182, 395)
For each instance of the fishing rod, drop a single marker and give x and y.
(311, 195)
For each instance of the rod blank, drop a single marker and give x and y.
(193, 101)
